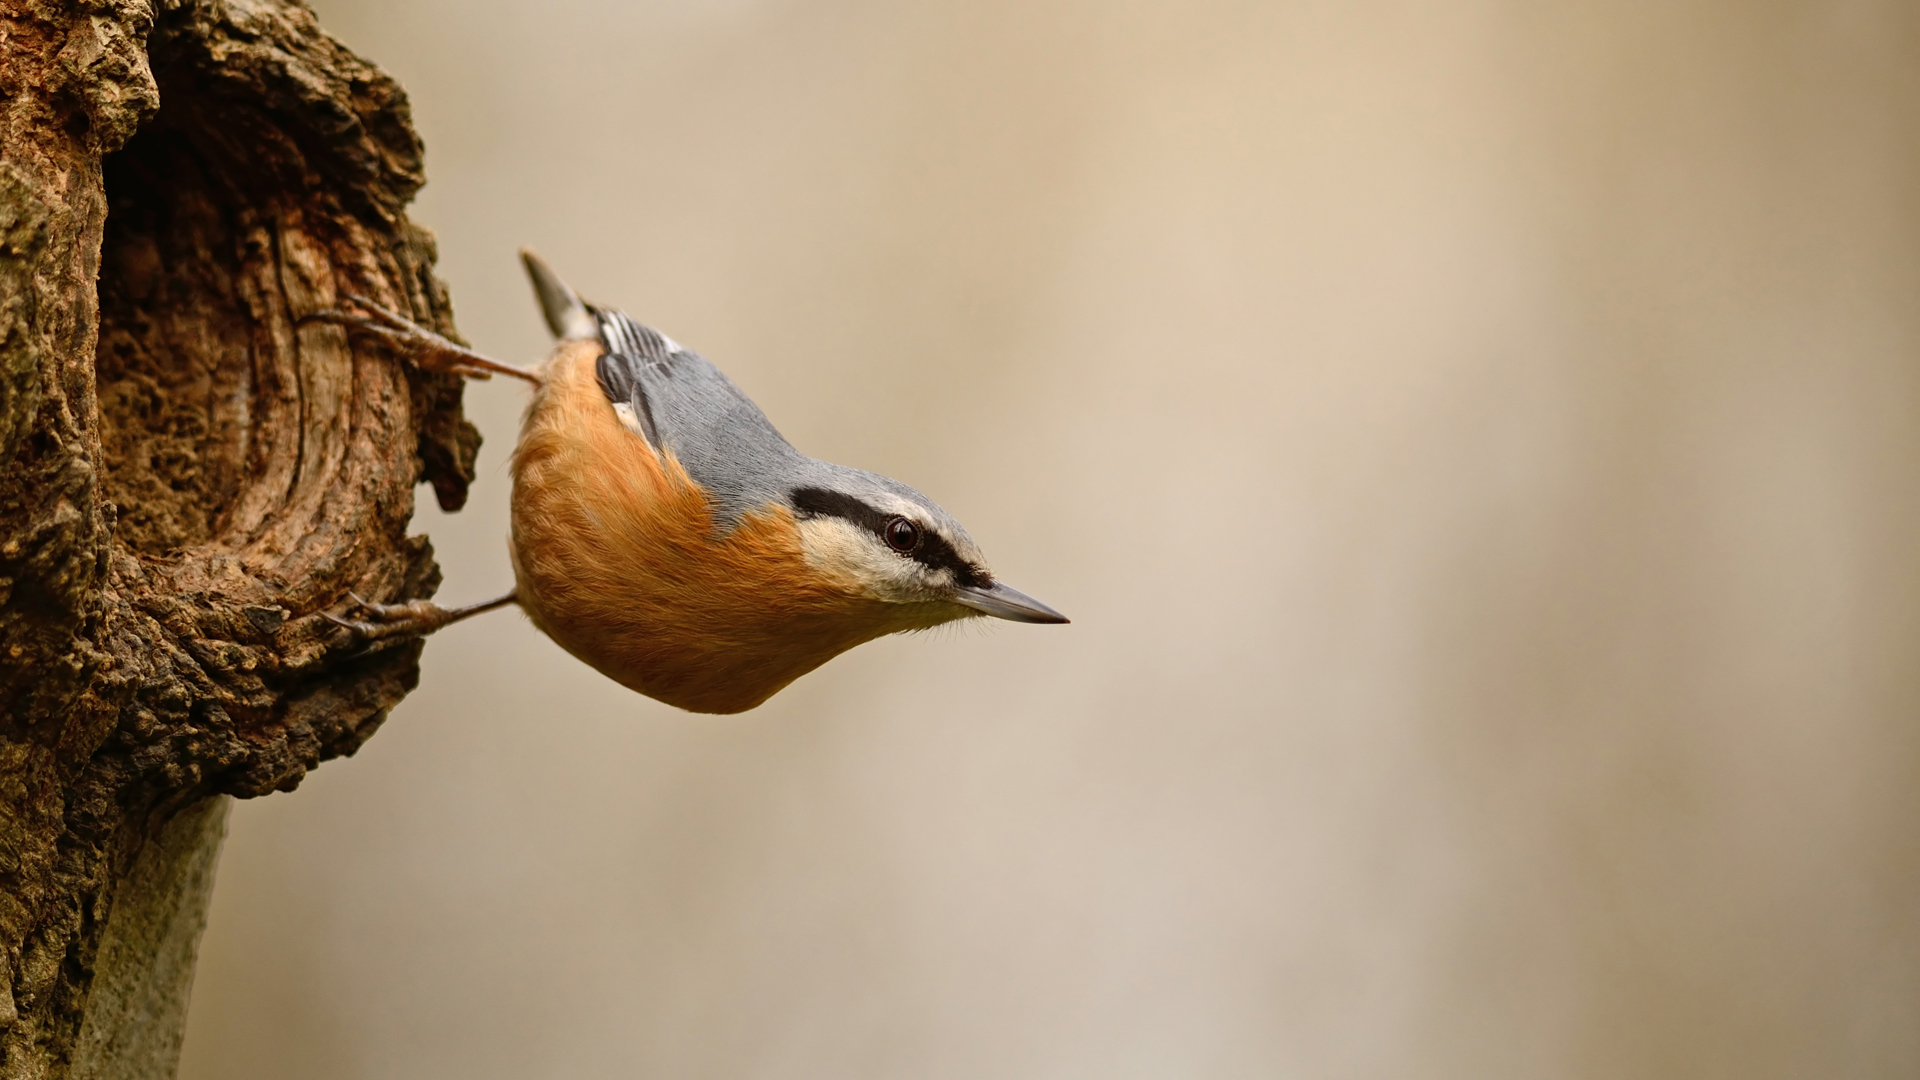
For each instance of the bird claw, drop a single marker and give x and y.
(415, 618)
(428, 351)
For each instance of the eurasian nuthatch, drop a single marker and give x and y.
(666, 534)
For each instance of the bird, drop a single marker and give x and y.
(665, 532)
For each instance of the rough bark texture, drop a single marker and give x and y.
(191, 474)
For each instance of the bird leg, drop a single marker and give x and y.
(429, 350)
(415, 618)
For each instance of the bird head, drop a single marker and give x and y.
(884, 541)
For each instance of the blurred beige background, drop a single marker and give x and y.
(1478, 444)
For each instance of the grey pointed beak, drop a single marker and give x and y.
(1006, 602)
(566, 316)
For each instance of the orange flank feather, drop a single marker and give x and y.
(619, 560)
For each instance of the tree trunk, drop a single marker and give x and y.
(191, 476)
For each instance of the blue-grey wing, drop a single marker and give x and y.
(686, 405)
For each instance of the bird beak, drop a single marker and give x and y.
(567, 317)
(1006, 602)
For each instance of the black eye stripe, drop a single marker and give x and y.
(834, 504)
(933, 550)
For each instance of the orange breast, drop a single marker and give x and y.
(619, 562)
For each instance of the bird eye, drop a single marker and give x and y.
(902, 535)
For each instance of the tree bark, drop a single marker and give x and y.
(191, 475)
(136, 1013)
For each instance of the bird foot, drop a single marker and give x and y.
(428, 350)
(415, 618)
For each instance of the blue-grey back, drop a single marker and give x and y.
(685, 404)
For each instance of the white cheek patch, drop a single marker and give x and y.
(856, 560)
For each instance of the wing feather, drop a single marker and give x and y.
(680, 402)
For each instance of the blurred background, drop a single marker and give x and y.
(1478, 444)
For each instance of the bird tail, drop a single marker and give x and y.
(567, 317)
